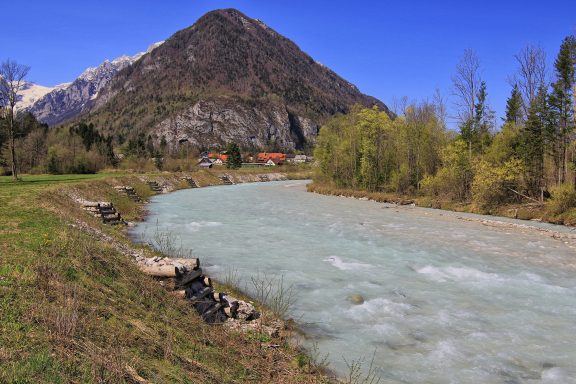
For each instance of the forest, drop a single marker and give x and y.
(528, 156)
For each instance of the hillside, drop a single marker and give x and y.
(226, 78)
(75, 308)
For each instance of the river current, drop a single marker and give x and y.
(446, 300)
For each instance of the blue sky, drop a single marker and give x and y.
(388, 49)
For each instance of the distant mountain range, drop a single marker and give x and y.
(226, 78)
(64, 102)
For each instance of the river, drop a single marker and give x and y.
(446, 300)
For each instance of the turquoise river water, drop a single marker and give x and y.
(446, 300)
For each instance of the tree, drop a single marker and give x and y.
(514, 106)
(12, 81)
(531, 74)
(466, 84)
(561, 104)
(532, 142)
(234, 160)
(484, 117)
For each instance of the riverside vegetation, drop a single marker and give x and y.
(527, 169)
(76, 309)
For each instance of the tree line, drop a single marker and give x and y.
(531, 153)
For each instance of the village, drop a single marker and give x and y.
(251, 160)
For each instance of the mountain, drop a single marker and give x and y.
(226, 78)
(67, 101)
(32, 92)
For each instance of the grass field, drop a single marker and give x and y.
(74, 309)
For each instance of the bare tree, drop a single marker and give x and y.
(466, 83)
(531, 73)
(440, 110)
(399, 105)
(12, 81)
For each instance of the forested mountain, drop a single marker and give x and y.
(226, 78)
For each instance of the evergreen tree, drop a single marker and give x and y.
(163, 145)
(562, 112)
(532, 143)
(150, 147)
(234, 160)
(514, 107)
(483, 118)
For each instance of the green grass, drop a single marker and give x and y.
(75, 309)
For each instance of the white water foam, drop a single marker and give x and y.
(337, 262)
(195, 226)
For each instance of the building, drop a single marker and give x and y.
(205, 162)
(277, 158)
(300, 159)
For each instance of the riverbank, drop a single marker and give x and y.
(530, 212)
(77, 309)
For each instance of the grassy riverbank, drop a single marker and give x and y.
(527, 211)
(76, 309)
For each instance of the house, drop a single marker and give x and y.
(277, 158)
(300, 159)
(205, 162)
(218, 156)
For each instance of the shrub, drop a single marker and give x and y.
(492, 185)
(563, 198)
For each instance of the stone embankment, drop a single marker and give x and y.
(183, 277)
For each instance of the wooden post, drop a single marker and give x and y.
(159, 270)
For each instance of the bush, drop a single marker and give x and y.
(492, 185)
(563, 198)
(452, 181)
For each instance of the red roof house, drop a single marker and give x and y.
(277, 158)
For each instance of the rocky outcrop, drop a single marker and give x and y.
(213, 123)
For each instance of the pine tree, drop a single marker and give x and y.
(532, 142)
(234, 160)
(483, 119)
(514, 106)
(562, 112)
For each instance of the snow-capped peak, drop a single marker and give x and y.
(30, 93)
(93, 73)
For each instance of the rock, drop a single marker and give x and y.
(356, 299)
(246, 311)
(272, 330)
(211, 122)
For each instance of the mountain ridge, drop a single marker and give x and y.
(225, 78)
(66, 101)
